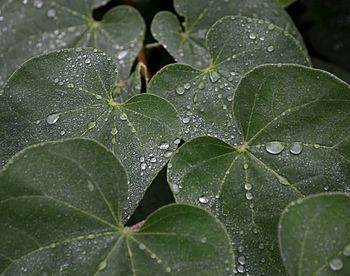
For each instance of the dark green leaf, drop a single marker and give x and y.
(29, 28)
(186, 42)
(295, 132)
(70, 93)
(61, 205)
(204, 97)
(286, 3)
(314, 235)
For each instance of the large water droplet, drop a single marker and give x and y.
(122, 54)
(51, 13)
(241, 260)
(270, 49)
(164, 146)
(187, 86)
(274, 147)
(114, 131)
(296, 148)
(252, 36)
(203, 200)
(142, 246)
(52, 118)
(180, 90)
(186, 120)
(214, 76)
(249, 196)
(336, 264)
(123, 117)
(346, 251)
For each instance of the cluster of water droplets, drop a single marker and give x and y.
(277, 147)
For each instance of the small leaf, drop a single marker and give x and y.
(204, 97)
(295, 133)
(314, 235)
(61, 205)
(34, 27)
(61, 95)
(186, 42)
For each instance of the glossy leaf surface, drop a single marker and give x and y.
(288, 116)
(61, 206)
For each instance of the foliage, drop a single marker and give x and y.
(235, 159)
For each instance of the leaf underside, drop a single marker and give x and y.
(61, 206)
(287, 117)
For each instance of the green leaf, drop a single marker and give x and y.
(204, 97)
(34, 27)
(314, 235)
(69, 93)
(186, 42)
(295, 133)
(61, 205)
(286, 3)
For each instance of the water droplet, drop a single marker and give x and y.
(270, 49)
(123, 117)
(91, 125)
(38, 3)
(203, 200)
(176, 189)
(248, 186)
(87, 61)
(143, 166)
(296, 148)
(91, 236)
(336, 264)
(168, 270)
(52, 118)
(51, 13)
(70, 85)
(187, 86)
(63, 132)
(245, 166)
(252, 36)
(163, 146)
(274, 147)
(317, 146)
(122, 54)
(240, 269)
(346, 251)
(249, 196)
(186, 120)
(114, 131)
(90, 186)
(142, 246)
(153, 160)
(177, 141)
(241, 260)
(204, 240)
(214, 76)
(102, 265)
(180, 90)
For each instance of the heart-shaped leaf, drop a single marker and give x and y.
(69, 93)
(61, 206)
(33, 27)
(204, 97)
(186, 42)
(295, 141)
(314, 235)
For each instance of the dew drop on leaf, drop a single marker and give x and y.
(91, 125)
(241, 260)
(51, 13)
(187, 86)
(164, 146)
(346, 251)
(168, 270)
(180, 90)
(87, 61)
(336, 264)
(114, 131)
(214, 76)
(270, 49)
(274, 147)
(248, 186)
(52, 118)
(123, 117)
(186, 120)
(296, 148)
(203, 200)
(249, 196)
(204, 240)
(142, 246)
(122, 54)
(252, 36)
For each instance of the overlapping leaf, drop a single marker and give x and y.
(32, 27)
(314, 235)
(186, 42)
(295, 142)
(69, 93)
(204, 97)
(61, 205)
